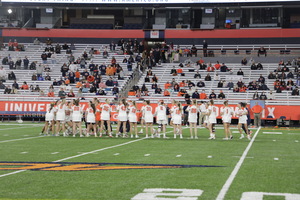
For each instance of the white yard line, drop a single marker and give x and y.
(4, 141)
(236, 169)
(3, 129)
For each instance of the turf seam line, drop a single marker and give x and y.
(236, 169)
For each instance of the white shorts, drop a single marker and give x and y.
(91, 119)
(226, 119)
(177, 120)
(242, 121)
(122, 118)
(60, 116)
(212, 120)
(132, 118)
(149, 119)
(192, 120)
(76, 118)
(205, 120)
(164, 122)
(105, 117)
(68, 118)
(49, 117)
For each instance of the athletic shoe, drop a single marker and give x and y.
(87, 135)
(74, 135)
(82, 136)
(118, 134)
(248, 136)
(196, 137)
(131, 136)
(141, 131)
(181, 136)
(242, 136)
(192, 137)
(152, 136)
(146, 136)
(125, 135)
(165, 136)
(211, 138)
(174, 136)
(136, 136)
(41, 133)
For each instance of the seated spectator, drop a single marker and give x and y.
(285, 69)
(202, 66)
(176, 87)
(212, 95)
(281, 62)
(244, 61)
(224, 68)
(203, 95)
(166, 93)
(115, 82)
(262, 51)
(240, 72)
(263, 86)
(220, 84)
(115, 90)
(147, 79)
(154, 79)
(144, 88)
(196, 95)
(101, 92)
(221, 95)
(179, 71)
(271, 76)
(200, 84)
(168, 85)
(154, 85)
(79, 94)
(36, 41)
(216, 77)
(109, 82)
(181, 93)
(158, 90)
(7, 90)
(71, 94)
(253, 66)
(3, 74)
(295, 92)
(190, 84)
(261, 79)
(197, 75)
(259, 66)
(187, 52)
(2, 86)
(173, 71)
(290, 75)
(207, 77)
(290, 84)
(85, 89)
(263, 96)
(255, 96)
(243, 88)
(182, 83)
(33, 65)
(271, 95)
(24, 86)
(210, 68)
(62, 93)
(217, 65)
(230, 85)
(173, 82)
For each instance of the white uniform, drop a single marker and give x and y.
(105, 113)
(122, 115)
(193, 110)
(132, 114)
(212, 118)
(61, 113)
(76, 114)
(177, 116)
(161, 114)
(227, 114)
(68, 114)
(172, 111)
(242, 113)
(143, 117)
(147, 112)
(50, 115)
(90, 117)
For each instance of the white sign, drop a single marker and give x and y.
(154, 34)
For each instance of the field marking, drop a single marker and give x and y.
(296, 141)
(178, 156)
(276, 158)
(20, 139)
(24, 152)
(236, 169)
(293, 133)
(11, 173)
(147, 155)
(3, 129)
(55, 153)
(116, 154)
(275, 133)
(209, 156)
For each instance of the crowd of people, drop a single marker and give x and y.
(66, 118)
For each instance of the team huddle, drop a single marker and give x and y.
(67, 118)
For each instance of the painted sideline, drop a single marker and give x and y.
(21, 139)
(236, 169)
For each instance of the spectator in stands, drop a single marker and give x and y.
(263, 96)
(230, 85)
(158, 90)
(253, 66)
(85, 89)
(187, 52)
(224, 68)
(36, 41)
(173, 71)
(210, 68)
(240, 72)
(290, 75)
(115, 82)
(295, 92)
(2, 74)
(263, 86)
(44, 57)
(221, 95)
(18, 63)
(217, 65)
(48, 41)
(176, 87)
(2, 86)
(261, 79)
(168, 85)
(37, 88)
(197, 75)
(202, 66)
(65, 46)
(109, 82)
(255, 96)
(259, 66)
(181, 92)
(271, 95)
(262, 51)
(115, 90)
(144, 88)
(14, 90)
(147, 79)
(203, 95)
(216, 77)
(194, 50)
(207, 77)
(102, 69)
(190, 84)
(33, 65)
(145, 93)
(200, 84)
(25, 62)
(15, 84)
(220, 84)
(7, 90)
(290, 84)
(205, 46)
(196, 95)
(24, 86)
(244, 61)
(71, 58)
(167, 93)
(212, 95)
(154, 78)
(271, 76)
(154, 85)
(57, 49)
(285, 69)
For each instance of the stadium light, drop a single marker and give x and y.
(9, 11)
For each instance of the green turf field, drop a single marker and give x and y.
(267, 168)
